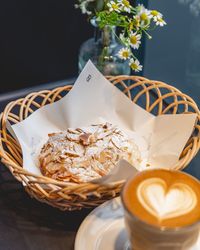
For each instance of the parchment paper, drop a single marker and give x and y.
(93, 99)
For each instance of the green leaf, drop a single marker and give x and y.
(111, 18)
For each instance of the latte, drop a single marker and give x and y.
(162, 210)
(164, 198)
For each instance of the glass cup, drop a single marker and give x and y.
(143, 236)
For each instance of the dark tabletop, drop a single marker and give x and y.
(172, 56)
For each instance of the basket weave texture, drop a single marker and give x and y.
(154, 96)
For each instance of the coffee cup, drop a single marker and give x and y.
(162, 210)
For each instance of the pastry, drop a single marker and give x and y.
(83, 154)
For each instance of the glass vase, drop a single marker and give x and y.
(102, 50)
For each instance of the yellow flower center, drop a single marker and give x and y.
(115, 6)
(143, 17)
(133, 39)
(125, 54)
(126, 3)
(134, 66)
(154, 13)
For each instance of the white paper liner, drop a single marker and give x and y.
(94, 99)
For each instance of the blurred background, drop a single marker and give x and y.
(40, 41)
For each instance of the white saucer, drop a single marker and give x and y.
(104, 229)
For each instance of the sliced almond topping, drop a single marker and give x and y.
(72, 137)
(72, 131)
(85, 139)
(104, 156)
(79, 149)
(92, 138)
(79, 130)
(104, 134)
(115, 142)
(52, 134)
(71, 153)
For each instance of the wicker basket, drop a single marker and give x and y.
(156, 97)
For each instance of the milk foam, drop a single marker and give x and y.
(163, 202)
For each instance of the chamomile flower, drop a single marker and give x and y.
(160, 22)
(125, 5)
(124, 53)
(83, 7)
(155, 15)
(134, 40)
(143, 15)
(114, 6)
(135, 65)
(141, 9)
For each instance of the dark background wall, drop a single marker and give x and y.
(39, 41)
(173, 55)
(167, 54)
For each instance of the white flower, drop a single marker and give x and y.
(83, 7)
(135, 65)
(155, 15)
(125, 5)
(141, 9)
(134, 40)
(113, 6)
(124, 53)
(143, 15)
(160, 22)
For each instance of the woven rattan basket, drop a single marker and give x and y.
(156, 97)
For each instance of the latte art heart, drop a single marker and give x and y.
(166, 202)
